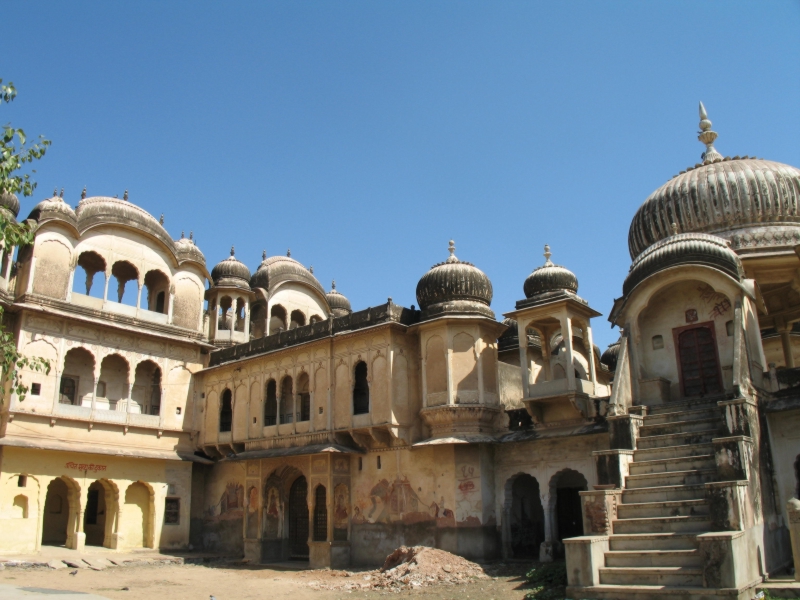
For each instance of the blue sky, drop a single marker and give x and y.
(365, 135)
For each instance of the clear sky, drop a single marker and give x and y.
(364, 135)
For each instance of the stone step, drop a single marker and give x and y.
(652, 541)
(693, 524)
(676, 508)
(677, 439)
(667, 465)
(683, 406)
(665, 493)
(654, 558)
(674, 576)
(649, 592)
(714, 423)
(692, 477)
(689, 415)
(663, 452)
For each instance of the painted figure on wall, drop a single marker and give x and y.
(252, 512)
(341, 502)
(272, 514)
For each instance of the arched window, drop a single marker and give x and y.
(90, 263)
(303, 398)
(157, 286)
(320, 515)
(271, 403)
(287, 400)
(361, 390)
(122, 271)
(314, 319)
(298, 319)
(277, 319)
(225, 322)
(225, 412)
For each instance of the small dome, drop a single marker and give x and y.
(455, 287)
(187, 250)
(101, 210)
(684, 249)
(752, 202)
(278, 269)
(54, 208)
(340, 306)
(609, 357)
(550, 278)
(231, 272)
(10, 202)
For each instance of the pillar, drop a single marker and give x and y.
(31, 273)
(786, 341)
(69, 284)
(105, 289)
(524, 363)
(590, 347)
(548, 545)
(566, 334)
(139, 296)
(246, 320)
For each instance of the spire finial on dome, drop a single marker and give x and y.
(451, 247)
(182, 235)
(233, 251)
(125, 195)
(55, 192)
(289, 252)
(311, 269)
(83, 193)
(263, 255)
(333, 285)
(161, 220)
(547, 255)
(707, 137)
(191, 236)
(61, 195)
(674, 227)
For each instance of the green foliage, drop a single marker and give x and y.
(15, 155)
(548, 581)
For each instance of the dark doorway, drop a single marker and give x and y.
(527, 518)
(56, 514)
(94, 517)
(568, 512)
(697, 354)
(298, 519)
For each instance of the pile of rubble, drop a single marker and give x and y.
(406, 567)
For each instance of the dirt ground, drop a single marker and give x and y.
(243, 582)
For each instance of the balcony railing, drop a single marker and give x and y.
(120, 309)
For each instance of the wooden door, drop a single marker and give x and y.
(699, 365)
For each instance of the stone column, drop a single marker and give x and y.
(547, 546)
(786, 341)
(130, 398)
(139, 295)
(793, 508)
(31, 273)
(524, 365)
(451, 396)
(105, 289)
(566, 334)
(590, 348)
(70, 283)
(546, 355)
(246, 320)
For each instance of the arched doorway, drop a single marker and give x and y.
(697, 355)
(565, 490)
(526, 517)
(298, 519)
(56, 514)
(94, 517)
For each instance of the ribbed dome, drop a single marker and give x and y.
(278, 269)
(186, 249)
(684, 249)
(340, 306)
(54, 208)
(550, 278)
(10, 202)
(231, 272)
(101, 210)
(610, 356)
(752, 202)
(455, 287)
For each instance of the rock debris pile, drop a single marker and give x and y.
(405, 568)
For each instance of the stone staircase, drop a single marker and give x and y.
(653, 550)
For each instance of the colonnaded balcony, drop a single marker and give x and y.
(119, 308)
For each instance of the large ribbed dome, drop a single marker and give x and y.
(454, 286)
(611, 355)
(550, 278)
(101, 210)
(232, 272)
(340, 305)
(684, 249)
(752, 202)
(278, 269)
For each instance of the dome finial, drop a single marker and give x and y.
(182, 235)
(311, 269)
(452, 249)
(83, 193)
(263, 255)
(55, 192)
(125, 195)
(547, 255)
(674, 227)
(233, 251)
(62, 194)
(333, 284)
(707, 137)
(191, 236)
(161, 220)
(289, 252)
